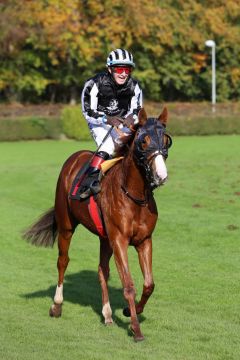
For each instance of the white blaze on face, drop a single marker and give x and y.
(161, 168)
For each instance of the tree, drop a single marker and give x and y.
(50, 47)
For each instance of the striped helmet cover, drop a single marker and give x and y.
(120, 57)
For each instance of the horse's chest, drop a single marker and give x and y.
(142, 227)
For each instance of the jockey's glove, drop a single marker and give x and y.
(130, 120)
(114, 120)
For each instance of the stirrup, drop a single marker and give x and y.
(92, 190)
(95, 189)
(85, 194)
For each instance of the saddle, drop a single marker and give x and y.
(76, 188)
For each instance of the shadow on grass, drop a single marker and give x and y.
(83, 288)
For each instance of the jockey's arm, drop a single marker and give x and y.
(90, 102)
(136, 103)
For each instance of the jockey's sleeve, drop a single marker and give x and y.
(136, 101)
(90, 102)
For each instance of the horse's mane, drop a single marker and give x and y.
(125, 149)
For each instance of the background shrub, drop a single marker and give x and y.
(34, 123)
(73, 123)
(198, 118)
(29, 128)
(202, 125)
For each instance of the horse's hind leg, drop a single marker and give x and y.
(103, 274)
(64, 239)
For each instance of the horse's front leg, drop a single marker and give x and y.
(145, 260)
(103, 274)
(120, 255)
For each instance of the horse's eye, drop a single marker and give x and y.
(167, 141)
(146, 141)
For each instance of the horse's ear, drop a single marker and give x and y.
(142, 116)
(163, 117)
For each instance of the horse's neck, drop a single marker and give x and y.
(133, 180)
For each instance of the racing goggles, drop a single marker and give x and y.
(122, 69)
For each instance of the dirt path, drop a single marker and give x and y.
(153, 109)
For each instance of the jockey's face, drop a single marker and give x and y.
(120, 73)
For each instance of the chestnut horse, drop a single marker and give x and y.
(129, 213)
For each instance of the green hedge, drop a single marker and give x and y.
(73, 125)
(203, 125)
(29, 128)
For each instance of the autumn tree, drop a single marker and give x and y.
(48, 48)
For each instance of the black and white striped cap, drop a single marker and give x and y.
(120, 57)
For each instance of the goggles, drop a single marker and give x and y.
(122, 69)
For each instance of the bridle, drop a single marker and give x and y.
(141, 202)
(144, 157)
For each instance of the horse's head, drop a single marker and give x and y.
(151, 144)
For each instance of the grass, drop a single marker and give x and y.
(193, 313)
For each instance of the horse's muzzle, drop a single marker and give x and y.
(160, 174)
(163, 181)
(159, 182)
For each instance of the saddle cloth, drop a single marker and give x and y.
(93, 208)
(96, 216)
(106, 165)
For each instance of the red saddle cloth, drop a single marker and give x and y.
(93, 209)
(96, 216)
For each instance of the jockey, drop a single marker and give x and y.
(110, 99)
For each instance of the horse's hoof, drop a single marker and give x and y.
(126, 312)
(109, 322)
(55, 310)
(138, 338)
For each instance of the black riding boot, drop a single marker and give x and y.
(90, 184)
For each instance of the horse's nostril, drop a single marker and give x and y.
(163, 181)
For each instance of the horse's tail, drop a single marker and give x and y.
(44, 231)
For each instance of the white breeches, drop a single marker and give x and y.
(109, 145)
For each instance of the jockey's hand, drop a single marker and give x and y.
(129, 121)
(114, 121)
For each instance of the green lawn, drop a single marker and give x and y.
(194, 312)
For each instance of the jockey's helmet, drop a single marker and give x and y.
(120, 57)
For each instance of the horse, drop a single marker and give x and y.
(129, 215)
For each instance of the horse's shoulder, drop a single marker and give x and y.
(78, 155)
(77, 158)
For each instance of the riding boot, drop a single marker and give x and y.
(91, 183)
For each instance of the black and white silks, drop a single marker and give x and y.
(102, 96)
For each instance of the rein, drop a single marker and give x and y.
(143, 157)
(136, 200)
(140, 202)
